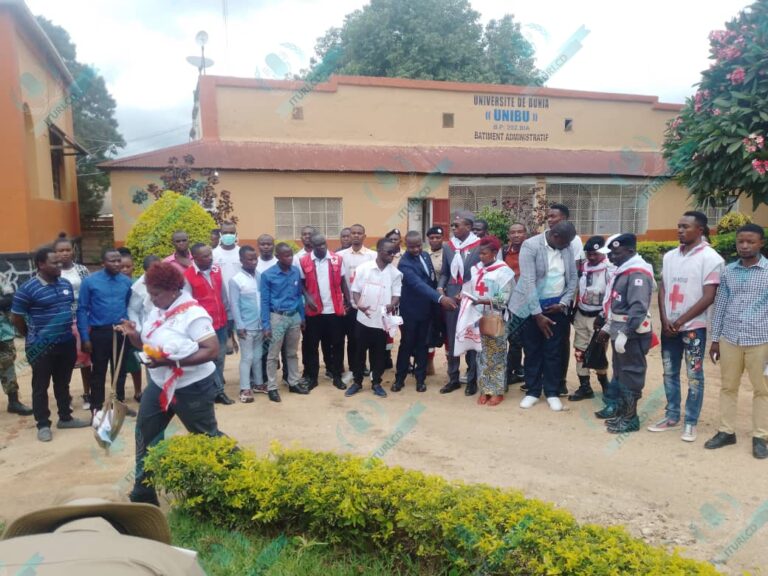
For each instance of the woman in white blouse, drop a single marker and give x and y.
(181, 345)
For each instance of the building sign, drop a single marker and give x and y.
(511, 118)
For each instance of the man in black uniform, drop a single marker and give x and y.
(628, 325)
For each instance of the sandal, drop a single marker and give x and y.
(496, 400)
(483, 399)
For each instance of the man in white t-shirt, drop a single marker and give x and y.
(690, 277)
(306, 241)
(353, 257)
(227, 257)
(375, 291)
(266, 253)
(560, 213)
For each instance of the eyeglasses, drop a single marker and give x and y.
(454, 225)
(392, 252)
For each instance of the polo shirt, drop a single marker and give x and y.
(47, 308)
(684, 277)
(376, 287)
(265, 265)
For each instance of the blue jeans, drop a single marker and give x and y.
(251, 349)
(222, 334)
(691, 344)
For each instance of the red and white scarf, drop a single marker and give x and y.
(460, 249)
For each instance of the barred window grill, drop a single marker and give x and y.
(476, 197)
(292, 214)
(603, 208)
(715, 213)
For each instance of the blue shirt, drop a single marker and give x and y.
(103, 301)
(245, 300)
(280, 292)
(47, 308)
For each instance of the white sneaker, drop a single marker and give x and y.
(528, 401)
(689, 433)
(555, 404)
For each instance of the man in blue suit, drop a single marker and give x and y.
(417, 303)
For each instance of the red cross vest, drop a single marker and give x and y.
(209, 297)
(310, 280)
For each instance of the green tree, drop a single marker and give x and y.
(430, 40)
(93, 112)
(716, 146)
(151, 234)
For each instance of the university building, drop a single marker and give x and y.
(397, 153)
(38, 190)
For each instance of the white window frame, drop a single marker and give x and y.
(330, 227)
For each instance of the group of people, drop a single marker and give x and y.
(508, 310)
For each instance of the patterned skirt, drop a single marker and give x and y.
(492, 365)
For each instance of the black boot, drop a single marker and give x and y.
(610, 408)
(628, 421)
(603, 380)
(16, 407)
(584, 391)
(471, 389)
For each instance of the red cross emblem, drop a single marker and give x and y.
(676, 297)
(481, 289)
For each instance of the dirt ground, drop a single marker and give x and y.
(708, 504)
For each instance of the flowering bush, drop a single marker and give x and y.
(716, 146)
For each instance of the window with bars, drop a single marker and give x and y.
(292, 214)
(715, 213)
(476, 196)
(603, 207)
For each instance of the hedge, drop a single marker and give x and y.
(151, 234)
(448, 527)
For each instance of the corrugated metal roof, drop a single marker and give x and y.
(452, 160)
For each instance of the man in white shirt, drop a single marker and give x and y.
(266, 253)
(326, 298)
(306, 241)
(353, 257)
(690, 277)
(560, 213)
(376, 291)
(227, 257)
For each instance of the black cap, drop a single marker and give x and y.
(627, 240)
(435, 230)
(594, 244)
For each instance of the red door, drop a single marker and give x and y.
(441, 213)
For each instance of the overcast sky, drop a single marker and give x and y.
(653, 47)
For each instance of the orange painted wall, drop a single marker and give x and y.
(32, 216)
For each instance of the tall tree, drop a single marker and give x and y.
(430, 40)
(717, 145)
(93, 112)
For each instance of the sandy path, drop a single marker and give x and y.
(663, 490)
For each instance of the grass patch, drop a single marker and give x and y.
(230, 553)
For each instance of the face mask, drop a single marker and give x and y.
(228, 239)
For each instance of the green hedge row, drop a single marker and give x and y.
(448, 527)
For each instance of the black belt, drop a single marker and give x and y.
(589, 313)
(285, 312)
(105, 327)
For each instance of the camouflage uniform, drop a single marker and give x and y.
(7, 334)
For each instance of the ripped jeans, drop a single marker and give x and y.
(690, 344)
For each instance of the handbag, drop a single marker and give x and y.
(595, 356)
(493, 325)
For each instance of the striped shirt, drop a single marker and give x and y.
(47, 308)
(741, 305)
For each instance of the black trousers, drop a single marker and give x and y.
(371, 341)
(543, 364)
(413, 342)
(328, 329)
(56, 363)
(101, 358)
(350, 324)
(629, 368)
(565, 353)
(193, 405)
